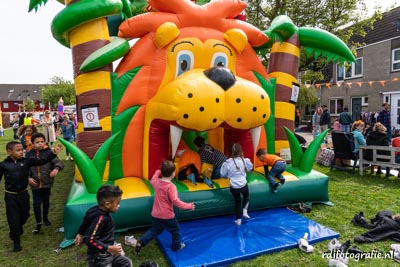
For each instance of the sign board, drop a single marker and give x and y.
(90, 117)
(285, 154)
(295, 93)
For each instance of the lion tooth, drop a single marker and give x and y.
(176, 134)
(255, 135)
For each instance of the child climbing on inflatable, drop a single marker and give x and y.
(235, 168)
(278, 165)
(163, 216)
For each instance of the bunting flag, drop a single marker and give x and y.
(349, 84)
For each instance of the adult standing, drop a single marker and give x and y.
(48, 128)
(15, 125)
(324, 120)
(315, 122)
(345, 120)
(21, 119)
(68, 131)
(384, 118)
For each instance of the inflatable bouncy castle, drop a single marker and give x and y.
(192, 70)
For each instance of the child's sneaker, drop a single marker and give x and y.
(138, 246)
(208, 182)
(336, 263)
(303, 244)
(245, 214)
(37, 229)
(334, 244)
(192, 178)
(238, 222)
(17, 246)
(395, 247)
(182, 247)
(130, 241)
(275, 187)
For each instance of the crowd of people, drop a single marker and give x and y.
(367, 129)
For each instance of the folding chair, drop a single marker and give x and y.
(343, 147)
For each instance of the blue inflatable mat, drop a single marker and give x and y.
(217, 241)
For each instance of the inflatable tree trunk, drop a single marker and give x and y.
(92, 88)
(283, 65)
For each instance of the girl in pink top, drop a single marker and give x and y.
(163, 216)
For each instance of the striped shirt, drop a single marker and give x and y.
(211, 155)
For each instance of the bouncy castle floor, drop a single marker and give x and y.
(217, 241)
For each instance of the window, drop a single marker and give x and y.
(339, 72)
(355, 69)
(336, 106)
(364, 101)
(396, 59)
(5, 105)
(352, 71)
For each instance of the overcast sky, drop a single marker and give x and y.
(28, 51)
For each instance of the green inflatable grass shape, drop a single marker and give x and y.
(304, 161)
(310, 154)
(101, 156)
(91, 173)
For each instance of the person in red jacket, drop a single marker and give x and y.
(163, 216)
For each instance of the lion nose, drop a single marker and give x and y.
(221, 76)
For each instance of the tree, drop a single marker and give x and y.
(58, 87)
(29, 104)
(334, 16)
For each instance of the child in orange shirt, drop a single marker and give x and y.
(25, 133)
(278, 167)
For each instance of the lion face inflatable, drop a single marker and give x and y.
(193, 69)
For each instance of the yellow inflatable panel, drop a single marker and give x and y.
(198, 187)
(288, 176)
(223, 183)
(133, 187)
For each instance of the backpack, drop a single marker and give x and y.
(326, 157)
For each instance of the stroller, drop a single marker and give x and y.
(302, 141)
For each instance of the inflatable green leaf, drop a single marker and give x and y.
(308, 159)
(295, 149)
(91, 177)
(101, 156)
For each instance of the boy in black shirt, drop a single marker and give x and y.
(98, 227)
(15, 169)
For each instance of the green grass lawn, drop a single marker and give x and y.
(350, 194)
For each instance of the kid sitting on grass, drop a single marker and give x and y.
(15, 169)
(98, 227)
(162, 215)
(278, 165)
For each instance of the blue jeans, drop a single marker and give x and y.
(158, 226)
(276, 171)
(345, 128)
(216, 173)
(41, 197)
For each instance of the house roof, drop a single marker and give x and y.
(19, 92)
(386, 28)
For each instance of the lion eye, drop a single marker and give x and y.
(184, 62)
(219, 60)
